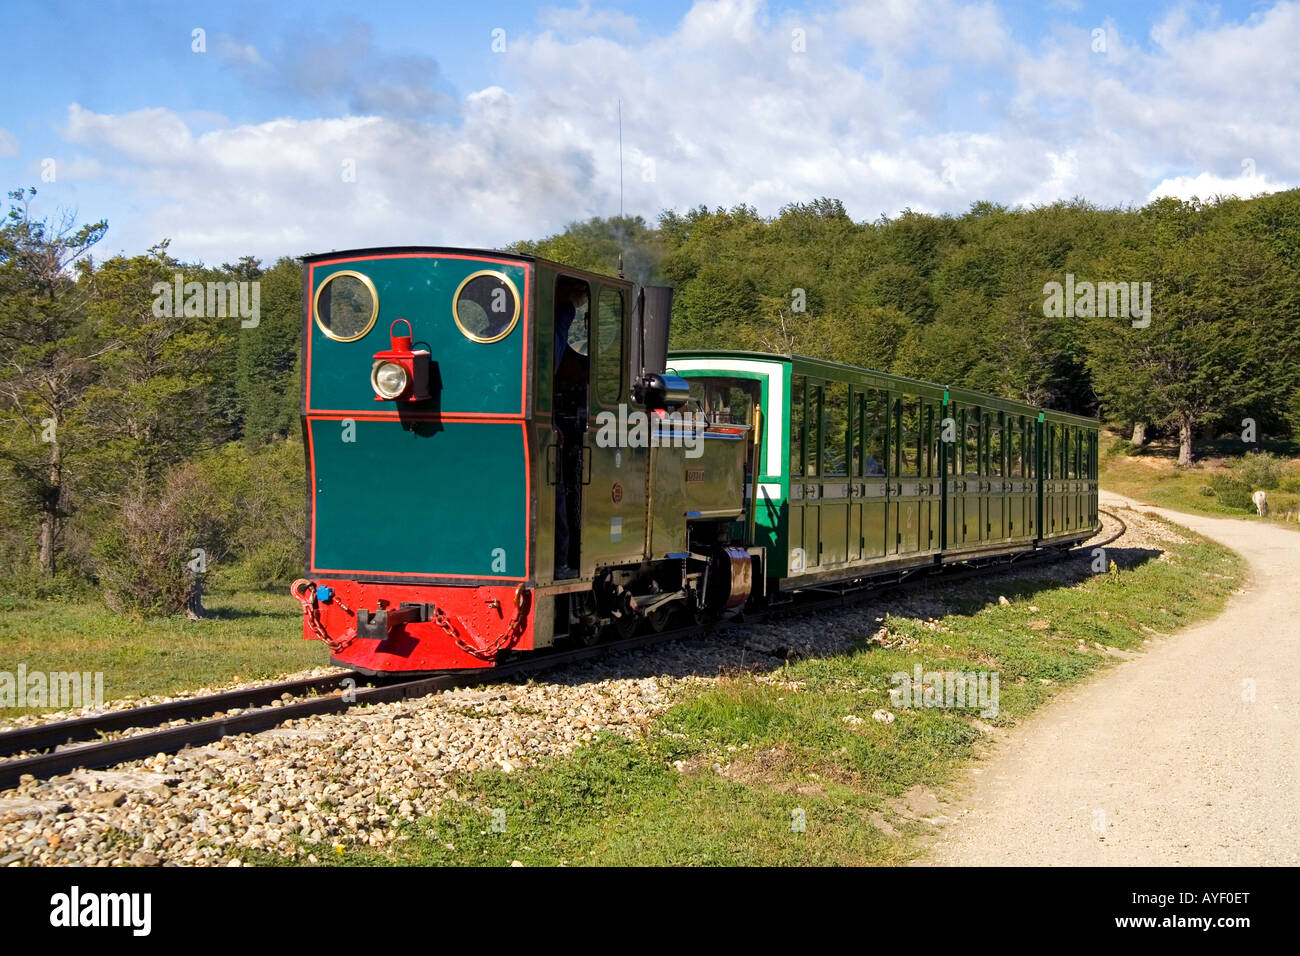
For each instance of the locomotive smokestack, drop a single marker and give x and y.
(656, 317)
(655, 388)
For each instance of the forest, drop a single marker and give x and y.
(148, 450)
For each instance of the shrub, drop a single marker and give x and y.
(265, 534)
(1259, 470)
(144, 557)
(1232, 492)
(1120, 446)
(272, 566)
(19, 588)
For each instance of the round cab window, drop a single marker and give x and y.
(486, 307)
(346, 306)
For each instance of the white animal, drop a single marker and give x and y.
(1261, 502)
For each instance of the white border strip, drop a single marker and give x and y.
(773, 415)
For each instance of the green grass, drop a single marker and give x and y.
(1152, 476)
(249, 635)
(661, 800)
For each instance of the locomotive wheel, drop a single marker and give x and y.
(584, 631)
(659, 618)
(621, 627)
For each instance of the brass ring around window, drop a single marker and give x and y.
(514, 319)
(374, 307)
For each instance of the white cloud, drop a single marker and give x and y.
(1207, 186)
(586, 20)
(723, 110)
(8, 144)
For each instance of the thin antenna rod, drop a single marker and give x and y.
(620, 182)
(620, 159)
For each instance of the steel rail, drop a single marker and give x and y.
(43, 736)
(104, 753)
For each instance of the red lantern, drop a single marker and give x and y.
(400, 374)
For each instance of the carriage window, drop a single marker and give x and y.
(923, 438)
(728, 401)
(835, 429)
(857, 418)
(812, 446)
(1016, 448)
(931, 441)
(486, 307)
(956, 446)
(609, 345)
(995, 445)
(909, 436)
(346, 306)
(973, 442)
(869, 433)
(797, 424)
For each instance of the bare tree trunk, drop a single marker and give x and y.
(1139, 433)
(1185, 441)
(194, 603)
(49, 535)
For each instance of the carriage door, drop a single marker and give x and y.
(905, 506)
(968, 497)
(834, 457)
(867, 521)
(995, 496)
(570, 454)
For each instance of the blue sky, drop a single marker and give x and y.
(304, 127)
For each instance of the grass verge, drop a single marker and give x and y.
(250, 635)
(1152, 476)
(788, 765)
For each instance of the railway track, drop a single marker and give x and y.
(51, 749)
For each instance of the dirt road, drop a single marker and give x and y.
(1161, 760)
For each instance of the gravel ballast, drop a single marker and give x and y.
(354, 778)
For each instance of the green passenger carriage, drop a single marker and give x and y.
(862, 472)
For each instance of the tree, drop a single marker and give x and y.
(1206, 350)
(48, 358)
(151, 405)
(267, 357)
